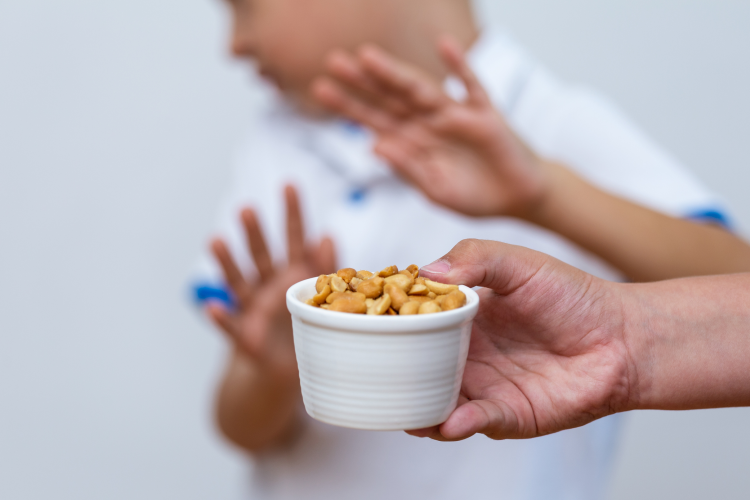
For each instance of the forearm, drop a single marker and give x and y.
(256, 410)
(645, 245)
(690, 340)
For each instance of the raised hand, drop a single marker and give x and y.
(261, 327)
(548, 349)
(459, 154)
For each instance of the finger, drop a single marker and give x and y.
(434, 431)
(231, 271)
(406, 160)
(334, 97)
(325, 256)
(257, 244)
(414, 87)
(221, 317)
(480, 417)
(499, 266)
(349, 72)
(229, 324)
(455, 59)
(429, 432)
(294, 226)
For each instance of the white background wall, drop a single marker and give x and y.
(117, 122)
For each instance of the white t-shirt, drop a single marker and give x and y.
(377, 220)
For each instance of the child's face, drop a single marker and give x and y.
(289, 39)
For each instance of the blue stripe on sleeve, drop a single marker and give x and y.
(711, 215)
(203, 293)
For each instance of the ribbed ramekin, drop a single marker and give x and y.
(379, 372)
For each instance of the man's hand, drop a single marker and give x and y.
(548, 349)
(461, 155)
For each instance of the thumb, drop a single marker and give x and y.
(490, 264)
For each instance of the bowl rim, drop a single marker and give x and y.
(334, 320)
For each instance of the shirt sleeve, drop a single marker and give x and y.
(584, 131)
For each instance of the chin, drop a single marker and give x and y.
(305, 104)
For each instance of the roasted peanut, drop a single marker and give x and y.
(398, 296)
(439, 288)
(380, 306)
(353, 284)
(389, 292)
(364, 275)
(372, 288)
(338, 284)
(388, 271)
(347, 274)
(410, 308)
(429, 308)
(321, 297)
(323, 280)
(337, 295)
(419, 298)
(400, 280)
(348, 304)
(453, 300)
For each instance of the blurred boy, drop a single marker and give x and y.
(376, 219)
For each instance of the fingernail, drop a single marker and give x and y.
(437, 267)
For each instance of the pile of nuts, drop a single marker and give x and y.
(389, 292)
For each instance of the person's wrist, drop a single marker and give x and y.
(539, 201)
(638, 343)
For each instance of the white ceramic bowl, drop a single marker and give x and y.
(379, 372)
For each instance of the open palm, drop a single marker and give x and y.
(547, 351)
(261, 326)
(461, 154)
